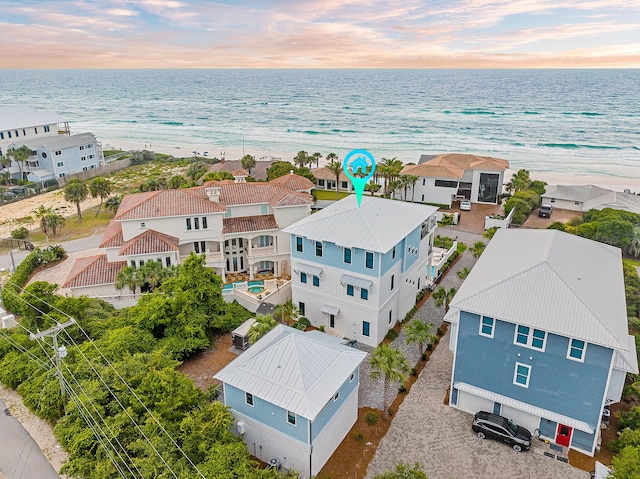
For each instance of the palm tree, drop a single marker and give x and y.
(76, 192)
(634, 243)
(41, 213)
(287, 312)
(128, 277)
(335, 167)
(264, 323)
(519, 181)
(419, 332)
(407, 181)
(152, 274)
(372, 187)
(5, 177)
(391, 188)
(55, 222)
(490, 233)
(389, 169)
(248, 162)
(463, 273)
(316, 157)
(113, 203)
(413, 179)
(391, 364)
(20, 156)
(441, 296)
(301, 159)
(478, 248)
(100, 187)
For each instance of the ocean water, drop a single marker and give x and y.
(564, 121)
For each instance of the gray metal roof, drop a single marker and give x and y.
(293, 370)
(623, 201)
(378, 225)
(58, 142)
(547, 279)
(579, 193)
(15, 117)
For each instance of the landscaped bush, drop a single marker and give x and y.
(304, 322)
(402, 389)
(421, 294)
(391, 334)
(371, 418)
(359, 437)
(446, 220)
(20, 233)
(443, 242)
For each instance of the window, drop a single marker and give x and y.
(393, 277)
(35, 130)
(576, 350)
(46, 128)
(90, 145)
(368, 263)
(532, 339)
(143, 225)
(347, 255)
(92, 156)
(59, 152)
(248, 398)
(390, 316)
(196, 223)
(82, 147)
(84, 158)
(553, 200)
(316, 281)
(264, 209)
(343, 185)
(349, 290)
(336, 396)
(84, 168)
(486, 326)
(1, 135)
(188, 224)
(301, 308)
(364, 293)
(228, 213)
(365, 328)
(353, 375)
(167, 261)
(9, 134)
(521, 375)
(291, 418)
(393, 253)
(303, 277)
(332, 320)
(319, 248)
(17, 135)
(321, 183)
(204, 222)
(446, 184)
(24, 132)
(299, 247)
(60, 163)
(44, 155)
(424, 181)
(61, 175)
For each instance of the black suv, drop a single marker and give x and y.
(497, 427)
(545, 211)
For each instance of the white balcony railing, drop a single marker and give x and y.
(210, 256)
(262, 251)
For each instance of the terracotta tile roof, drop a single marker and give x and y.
(112, 237)
(259, 172)
(239, 172)
(234, 194)
(293, 182)
(453, 165)
(163, 203)
(149, 242)
(93, 271)
(324, 174)
(249, 223)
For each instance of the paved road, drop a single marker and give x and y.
(70, 246)
(20, 456)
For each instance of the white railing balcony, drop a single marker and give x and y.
(210, 256)
(262, 251)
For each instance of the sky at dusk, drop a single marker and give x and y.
(320, 34)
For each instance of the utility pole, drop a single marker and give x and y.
(60, 352)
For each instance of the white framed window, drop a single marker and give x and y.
(291, 418)
(319, 249)
(530, 337)
(336, 396)
(353, 375)
(248, 398)
(575, 352)
(521, 375)
(299, 244)
(347, 255)
(368, 260)
(60, 163)
(486, 326)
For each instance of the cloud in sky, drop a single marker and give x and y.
(319, 33)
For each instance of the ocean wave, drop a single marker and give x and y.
(531, 112)
(338, 130)
(307, 132)
(477, 111)
(571, 146)
(172, 123)
(583, 113)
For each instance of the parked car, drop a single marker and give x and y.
(494, 426)
(7, 195)
(545, 211)
(465, 205)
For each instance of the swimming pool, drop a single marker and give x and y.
(255, 287)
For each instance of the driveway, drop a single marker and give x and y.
(439, 437)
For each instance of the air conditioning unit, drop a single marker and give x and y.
(274, 464)
(240, 427)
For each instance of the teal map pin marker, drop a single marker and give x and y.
(359, 166)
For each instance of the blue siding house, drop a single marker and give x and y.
(294, 396)
(539, 334)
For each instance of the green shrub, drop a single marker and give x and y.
(630, 419)
(391, 334)
(441, 331)
(359, 437)
(443, 242)
(402, 389)
(414, 372)
(371, 418)
(424, 357)
(321, 328)
(20, 233)
(304, 321)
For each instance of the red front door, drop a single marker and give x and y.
(563, 436)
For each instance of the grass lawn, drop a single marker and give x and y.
(73, 229)
(330, 195)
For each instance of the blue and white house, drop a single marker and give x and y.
(539, 334)
(294, 396)
(356, 271)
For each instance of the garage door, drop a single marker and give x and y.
(521, 418)
(473, 404)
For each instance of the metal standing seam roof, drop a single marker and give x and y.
(551, 280)
(12, 117)
(579, 193)
(307, 268)
(292, 370)
(355, 281)
(378, 225)
(329, 309)
(59, 142)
